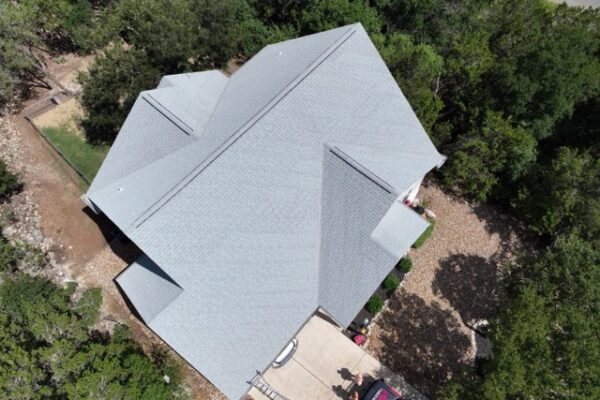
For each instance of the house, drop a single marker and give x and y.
(261, 197)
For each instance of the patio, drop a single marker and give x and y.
(323, 365)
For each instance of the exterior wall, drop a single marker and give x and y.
(411, 194)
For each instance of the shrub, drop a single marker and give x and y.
(391, 283)
(375, 304)
(10, 255)
(405, 264)
(425, 235)
(9, 182)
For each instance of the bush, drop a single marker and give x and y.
(405, 264)
(9, 182)
(425, 235)
(375, 304)
(391, 283)
(9, 255)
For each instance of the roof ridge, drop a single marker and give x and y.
(335, 149)
(327, 52)
(168, 114)
(169, 117)
(144, 216)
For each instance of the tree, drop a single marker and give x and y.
(500, 152)
(417, 69)
(160, 37)
(20, 66)
(462, 86)
(110, 88)
(9, 255)
(253, 34)
(546, 60)
(60, 24)
(150, 26)
(563, 194)
(434, 22)
(546, 343)
(318, 16)
(49, 350)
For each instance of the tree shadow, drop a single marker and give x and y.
(471, 284)
(498, 220)
(421, 342)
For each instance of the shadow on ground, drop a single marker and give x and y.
(471, 284)
(421, 342)
(118, 242)
(498, 220)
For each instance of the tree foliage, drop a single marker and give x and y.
(9, 182)
(148, 39)
(111, 86)
(50, 350)
(417, 68)
(546, 345)
(20, 67)
(492, 158)
(563, 194)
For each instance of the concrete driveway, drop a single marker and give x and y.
(323, 365)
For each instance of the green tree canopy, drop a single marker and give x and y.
(546, 345)
(417, 68)
(500, 152)
(9, 182)
(49, 349)
(20, 67)
(563, 194)
(149, 39)
(111, 86)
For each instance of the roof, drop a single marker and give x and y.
(286, 198)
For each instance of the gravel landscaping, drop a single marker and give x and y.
(455, 280)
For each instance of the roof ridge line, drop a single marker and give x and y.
(152, 104)
(363, 169)
(143, 217)
(326, 52)
(168, 114)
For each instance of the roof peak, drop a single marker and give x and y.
(348, 31)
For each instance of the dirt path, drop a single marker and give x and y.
(79, 242)
(51, 215)
(422, 333)
(56, 190)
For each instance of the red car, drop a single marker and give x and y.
(379, 390)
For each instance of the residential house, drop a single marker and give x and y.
(261, 197)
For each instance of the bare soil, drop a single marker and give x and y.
(66, 71)
(54, 215)
(456, 279)
(68, 113)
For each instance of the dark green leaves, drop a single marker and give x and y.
(48, 348)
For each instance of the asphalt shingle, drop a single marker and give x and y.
(287, 200)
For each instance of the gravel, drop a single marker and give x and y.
(422, 334)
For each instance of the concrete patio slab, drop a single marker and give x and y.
(327, 351)
(323, 365)
(298, 382)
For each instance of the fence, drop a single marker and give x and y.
(41, 107)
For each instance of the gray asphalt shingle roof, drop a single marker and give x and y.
(285, 198)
